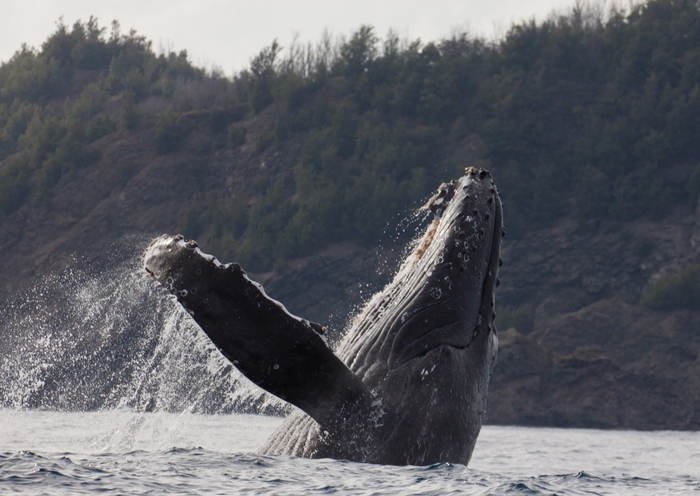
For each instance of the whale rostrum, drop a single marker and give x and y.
(407, 384)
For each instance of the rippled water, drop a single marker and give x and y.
(121, 452)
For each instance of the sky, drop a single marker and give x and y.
(224, 35)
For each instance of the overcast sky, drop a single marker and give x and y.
(226, 34)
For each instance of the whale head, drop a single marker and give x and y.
(427, 343)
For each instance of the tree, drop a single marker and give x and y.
(130, 115)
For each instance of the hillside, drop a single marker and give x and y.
(297, 166)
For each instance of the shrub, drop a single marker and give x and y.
(236, 136)
(679, 290)
(130, 117)
(168, 133)
(265, 139)
(100, 127)
(14, 185)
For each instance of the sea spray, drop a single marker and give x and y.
(83, 340)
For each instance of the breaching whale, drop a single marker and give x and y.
(408, 383)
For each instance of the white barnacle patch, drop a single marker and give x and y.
(209, 258)
(425, 372)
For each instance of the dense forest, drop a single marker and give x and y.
(594, 114)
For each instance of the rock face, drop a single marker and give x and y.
(609, 364)
(590, 357)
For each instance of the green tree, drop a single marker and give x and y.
(130, 117)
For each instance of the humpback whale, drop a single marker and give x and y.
(408, 383)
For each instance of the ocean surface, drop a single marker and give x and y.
(125, 452)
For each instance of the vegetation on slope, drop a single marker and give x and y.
(589, 114)
(679, 290)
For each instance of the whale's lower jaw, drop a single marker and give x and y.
(410, 380)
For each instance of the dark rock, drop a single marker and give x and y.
(610, 364)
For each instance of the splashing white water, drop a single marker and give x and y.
(79, 341)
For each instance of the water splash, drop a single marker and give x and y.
(82, 341)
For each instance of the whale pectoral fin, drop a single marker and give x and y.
(279, 352)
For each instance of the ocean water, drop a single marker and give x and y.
(126, 452)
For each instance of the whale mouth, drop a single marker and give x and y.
(443, 293)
